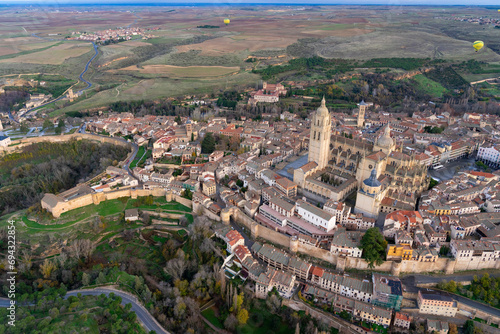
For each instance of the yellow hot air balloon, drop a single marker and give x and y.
(478, 45)
(226, 21)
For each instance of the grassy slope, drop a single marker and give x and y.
(429, 86)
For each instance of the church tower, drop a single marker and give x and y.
(361, 114)
(319, 139)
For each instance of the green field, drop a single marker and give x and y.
(429, 86)
(209, 314)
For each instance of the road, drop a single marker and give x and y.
(148, 321)
(89, 84)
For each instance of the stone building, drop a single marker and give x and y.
(338, 165)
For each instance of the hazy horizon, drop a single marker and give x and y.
(260, 2)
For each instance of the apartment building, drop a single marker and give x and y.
(430, 302)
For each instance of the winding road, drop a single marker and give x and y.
(89, 84)
(147, 320)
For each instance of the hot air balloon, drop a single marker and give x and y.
(478, 45)
(226, 21)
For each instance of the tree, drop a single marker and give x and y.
(231, 322)
(373, 245)
(85, 279)
(273, 303)
(451, 286)
(345, 315)
(433, 183)
(47, 267)
(443, 251)
(452, 328)
(242, 316)
(239, 301)
(101, 279)
(61, 123)
(24, 128)
(47, 124)
(208, 143)
(469, 327)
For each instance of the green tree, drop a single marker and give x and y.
(47, 124)
(443, 251)
(373, 245)
(188, 194)
(451, 286)
(345, 315)
(208, 143)
(433, 183)
(24, 128)
(61, 123)
(469, 327)
(85, 279)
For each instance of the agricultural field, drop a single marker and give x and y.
(183, 59)
(184, 72)
(55, 55)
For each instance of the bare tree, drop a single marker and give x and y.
(26, 261)
(82, 247)
(231, 322)
(177, 265)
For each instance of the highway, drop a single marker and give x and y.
(147, 320)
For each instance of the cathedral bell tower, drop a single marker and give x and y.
(319, 139)
(361, 114)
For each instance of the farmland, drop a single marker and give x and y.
(182, 58)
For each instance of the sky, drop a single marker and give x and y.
(225, 2)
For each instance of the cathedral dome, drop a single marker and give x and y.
(385, 140)
(322, 110)
(372, 180)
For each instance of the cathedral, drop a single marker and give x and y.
(386, 179)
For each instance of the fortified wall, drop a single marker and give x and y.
(447, 265)
(57, 207)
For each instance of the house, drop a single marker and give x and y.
(437, 326)
(131, 215)
(402, 320)
(5, 141)
(215, 156)
(209, 188)
(272, 278)
(232, 238)
(287, 187)
(430, 302)
(346, 243)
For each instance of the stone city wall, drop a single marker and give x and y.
(446, 265)
(97, 198)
